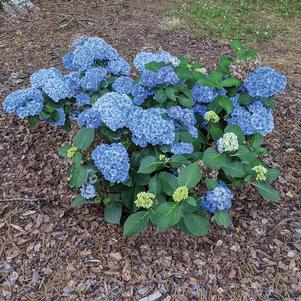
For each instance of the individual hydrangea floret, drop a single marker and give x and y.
(82, 99)
(112, 161)
(119, 67)
(265, 82)
(204, 94)
(180, 194)
(140, 94)
(123, 85)
(24, 102)
(88, 192)
(114, 109)
(182, 148)
(218, 198)
(227, 143)
(145, 200)
(149, 127)
(92, 78)
(89, 118)
(261, 172)
(183, 115)
(143, 58)
(211, 116)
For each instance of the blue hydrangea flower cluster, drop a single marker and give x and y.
(123, 85)
(82, 99)
(112, 161)
(89, 118)
(140, 94)
(88, 192)
(265, 82)
(119, 67)
(252, 118)
(182, 148)
(114, 109)
(24, 102)
(201, 109)
(182, 115)
(149, 127)
(143, 58)
(92, 78)
(218, 198)
(205, 94)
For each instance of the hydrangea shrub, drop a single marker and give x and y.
(166, 147)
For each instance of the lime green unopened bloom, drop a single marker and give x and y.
(71, 152)
(211, 116)
(260, 172)
(180, 194)
(145, 200)
(163, 158)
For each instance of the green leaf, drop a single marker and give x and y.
(224, 63)
(79, 175)
(226, 104)
(167, 214)
(136, 223)
(267, 191)
(190, 176)
(33, 120)
(234, 128)
(268, 102)
(63, 150)
(186, 101)
(230, 82)
(246, 54)
(177, 161)
(183, 72)
(171, 93)
(112, 212)
(213, 159)
(77, 158)
(273, 174)
(149, 164)
(169, 183)
(78, 201)
(234, 169)
(256, 140)
(245, 99)
(160, 96)
(215, 131)
(222, 218)
(84, 138)
(236, 45)
(154, 66)
(196, 223)
(141, 179)
(191, 201)
(216, 77)
(211, 183)
(245, 155)
(154, 185)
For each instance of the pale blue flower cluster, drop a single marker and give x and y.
(82, 99)
(255, 117)
(140, 94)
(24, 102)
(201, 109)
(204, 94)
(265, 82)
(88, 191)
(114, 109)
(89, 118)
(123, 85)
(149, 127)
(182, 115)
(143, 58)
(112, 161)
(119, 67)
(182, 148)
(218, 198)
(92, 78)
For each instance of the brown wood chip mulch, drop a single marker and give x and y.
(50, 252)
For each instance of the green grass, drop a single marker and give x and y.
(247, 20)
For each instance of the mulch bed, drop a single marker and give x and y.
(51, 252)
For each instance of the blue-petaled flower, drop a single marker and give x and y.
(140, 94)
(227, 143)
(57, 89)
(149, 127)
(114, 109)
(123, 85)
(119, 66)
(143, 58)
(204, 94)
(252, 118)
(88, 191)
(24, 102)
(73, 81)
(68, 61)
(200, 109)
(265, 82)
(92, 78)
(182, 148)
(82, 99)
(218, 198)
(39, 78)
(112, 161)
(89, 118)
(183, 115)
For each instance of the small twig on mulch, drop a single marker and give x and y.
(23, 200)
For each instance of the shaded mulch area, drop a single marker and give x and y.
(51, 252)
